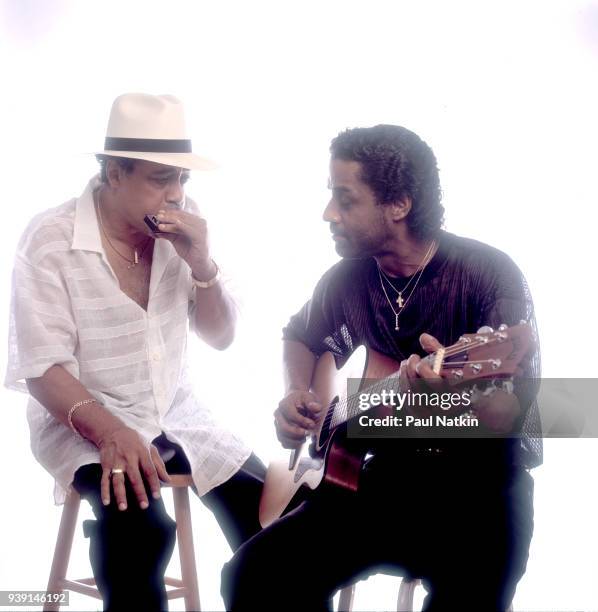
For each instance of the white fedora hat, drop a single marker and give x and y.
(142, 126)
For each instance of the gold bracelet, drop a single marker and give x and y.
(72, 411)
(209, 283)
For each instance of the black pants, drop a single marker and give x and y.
(466, 531)
(129, 550)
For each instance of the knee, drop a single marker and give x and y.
(246, 578)
(145, 535)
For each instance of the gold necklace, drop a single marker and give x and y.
(402, 303)
(136, 254)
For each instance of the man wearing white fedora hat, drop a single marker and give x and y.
(104, 288)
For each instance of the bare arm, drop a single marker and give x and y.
(298, 411)
(119, 445)
(298, 366)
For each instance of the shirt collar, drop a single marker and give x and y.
(86, 233)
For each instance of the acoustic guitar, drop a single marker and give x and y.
(336, 459)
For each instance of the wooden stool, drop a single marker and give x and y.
(185, 587)
(404, 600)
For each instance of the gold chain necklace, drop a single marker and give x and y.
(136, 254)
(402, 303)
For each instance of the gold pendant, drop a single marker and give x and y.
(400, 300)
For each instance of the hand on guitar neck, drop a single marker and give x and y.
(497, 411)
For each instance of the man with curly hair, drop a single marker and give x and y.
(456, 512)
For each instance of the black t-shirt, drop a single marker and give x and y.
(467, 284)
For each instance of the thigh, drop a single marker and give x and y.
(481, 552)
(235, 503)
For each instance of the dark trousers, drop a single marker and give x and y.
(466, 531)
(129, 550)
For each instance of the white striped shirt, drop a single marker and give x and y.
(67, 308)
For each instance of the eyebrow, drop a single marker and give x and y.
(340, 189)
(169, 173)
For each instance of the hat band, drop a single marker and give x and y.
(147, 145)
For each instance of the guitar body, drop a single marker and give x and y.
(338, 461)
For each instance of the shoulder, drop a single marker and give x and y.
(477, 257)
(49, 232)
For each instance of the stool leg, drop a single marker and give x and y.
(182, 513)
(405, 599)
(64, 542)
(345, 600)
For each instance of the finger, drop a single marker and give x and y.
(105, 486)
(138, 485)
(170, 228)
(151, 475)
(411, 368)
(301, 417)
(289, 429)
(181, 222)
(424, 370)
(429, 343)
(120, 493)
(292, 414)
(159, 466)
(289, 443)
(314, 406)
(404, 384)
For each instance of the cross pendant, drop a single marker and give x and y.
(400, 300)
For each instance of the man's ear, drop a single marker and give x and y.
(400, 209)
(113, 173)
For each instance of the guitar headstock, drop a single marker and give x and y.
(486, 354)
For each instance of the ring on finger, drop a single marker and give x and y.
(116, 471)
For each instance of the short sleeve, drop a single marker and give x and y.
(506, 298)
(42, 331)
(321, 324)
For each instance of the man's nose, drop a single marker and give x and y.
(330, 214)
(176, 192)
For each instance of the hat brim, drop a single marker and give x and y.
(189, 161)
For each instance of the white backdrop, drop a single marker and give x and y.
(504, 93)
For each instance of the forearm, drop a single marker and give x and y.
(298, 366)
(215, 316)
(58, 391)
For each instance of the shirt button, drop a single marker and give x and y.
(156, 356)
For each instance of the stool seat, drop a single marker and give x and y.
(186, 586)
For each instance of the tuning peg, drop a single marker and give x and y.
(485, 329)
(502, 327)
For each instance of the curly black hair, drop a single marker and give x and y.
(126, 163)
(395, 163)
